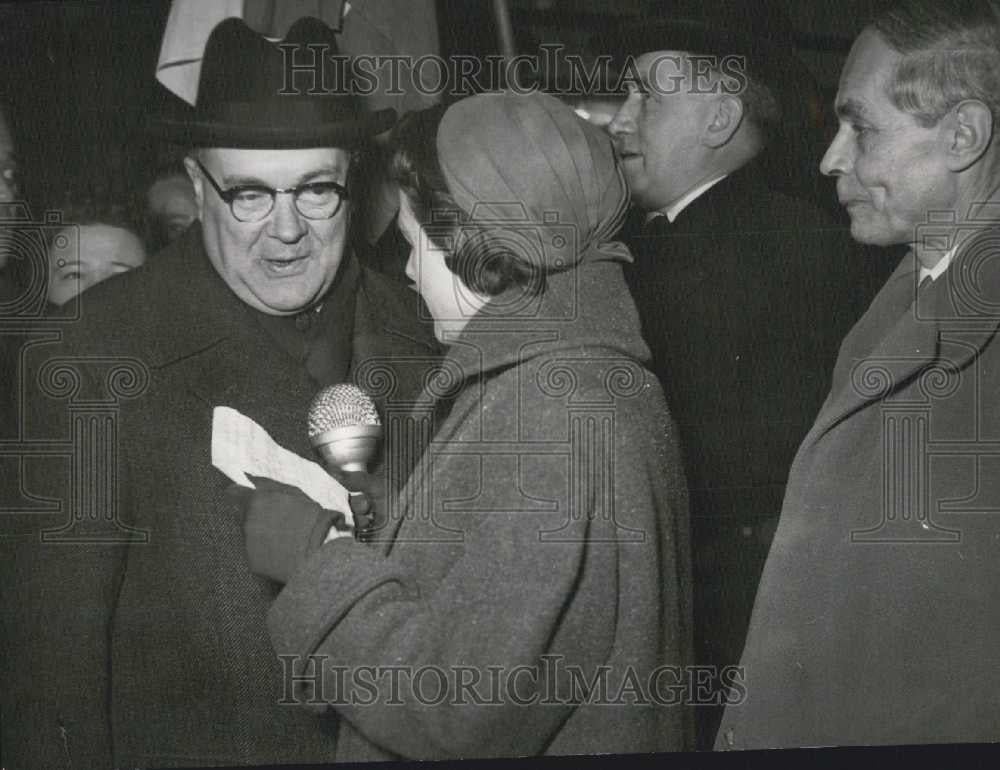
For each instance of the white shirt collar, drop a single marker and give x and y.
(674, 209)
(940, 267)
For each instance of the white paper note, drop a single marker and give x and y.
(240, 447)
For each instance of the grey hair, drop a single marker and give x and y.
(951, 53)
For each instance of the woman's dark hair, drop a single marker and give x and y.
(483, 262)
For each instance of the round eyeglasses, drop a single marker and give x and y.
(252, 203)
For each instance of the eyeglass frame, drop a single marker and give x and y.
(228, 196)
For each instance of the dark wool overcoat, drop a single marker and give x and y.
(539, 556)
(153, 650)
(877, 616)
(744, 300)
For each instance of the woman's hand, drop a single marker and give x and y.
(282, 526)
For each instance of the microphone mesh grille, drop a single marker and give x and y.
(339, 406)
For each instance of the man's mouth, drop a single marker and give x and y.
(285, 265)
(624, 152)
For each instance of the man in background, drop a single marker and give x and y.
(877, 614)
(743, 289)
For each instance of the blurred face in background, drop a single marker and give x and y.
(171, 205)
(101, 252)
(9, 190)
(285, 262)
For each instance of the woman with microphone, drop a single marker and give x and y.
(531, 593)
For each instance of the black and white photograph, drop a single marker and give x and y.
(523, 381)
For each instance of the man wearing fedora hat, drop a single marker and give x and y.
(143, 642)
(743, 288)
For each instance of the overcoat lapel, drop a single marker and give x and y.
(384, 324)
(276, 395)
(903, 330)
(224, 357)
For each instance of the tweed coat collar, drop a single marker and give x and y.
(899, 338)
(732, 207)
(587, 308)
(585, 314)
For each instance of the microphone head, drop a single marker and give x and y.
(344, 426)
(341, 406)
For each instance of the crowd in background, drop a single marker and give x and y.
(109, 228)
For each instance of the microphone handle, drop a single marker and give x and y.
(357, 482)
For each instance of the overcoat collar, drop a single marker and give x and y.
(733, 207)
(588, 308)
(899, 337)
(584, 314)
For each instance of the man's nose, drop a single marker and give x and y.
(836, 160)
(624, 120)
(286, 223)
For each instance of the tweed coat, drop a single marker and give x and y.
(546, 525)
(155, 652)
(877, 615)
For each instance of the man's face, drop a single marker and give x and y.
(285, 262)
(659, 128)
(890, 170)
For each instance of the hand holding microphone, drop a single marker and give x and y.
(345, 430)
(282, 526)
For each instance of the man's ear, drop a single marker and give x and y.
(968, 131)
(197, 181)
(725, 120)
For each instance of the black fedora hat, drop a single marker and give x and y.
(241, 102)
(758, 31)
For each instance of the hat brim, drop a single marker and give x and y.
(680, 35)
(195, 131)
(775, 65)
(769, 59)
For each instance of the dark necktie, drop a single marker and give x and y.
(656, 227)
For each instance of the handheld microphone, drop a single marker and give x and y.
(344, 427)
(345, 430)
